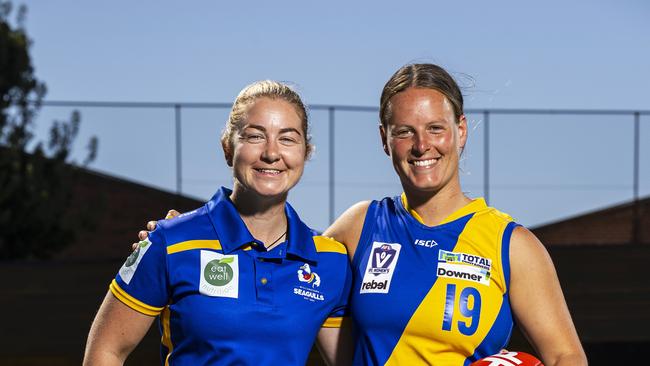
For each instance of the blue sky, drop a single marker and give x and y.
(552, 54)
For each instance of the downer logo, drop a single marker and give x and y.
(380, 268)
(463, 272)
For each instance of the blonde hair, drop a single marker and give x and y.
(262, 89)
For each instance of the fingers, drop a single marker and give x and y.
(134, 245)
(172, 213)
(143, 234)
(151, 225)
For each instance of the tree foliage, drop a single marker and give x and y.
(35, 177)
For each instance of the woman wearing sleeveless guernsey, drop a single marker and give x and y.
(439, 277)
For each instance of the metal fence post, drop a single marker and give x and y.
(486, 156)
(331, 161)
(177, 109)
(636, 227)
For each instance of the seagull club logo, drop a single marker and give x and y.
(305, 274)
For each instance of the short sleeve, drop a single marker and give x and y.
(341, 310)
(141, 282)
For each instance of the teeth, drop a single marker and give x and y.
(424, 162)
(269, 171)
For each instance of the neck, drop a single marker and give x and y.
(434, 207)
(264, 216)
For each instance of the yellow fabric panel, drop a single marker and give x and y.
(423, 337)
(166, 338)
(132, 302)
(474, 206)
(193, 244)
(334, 322)
(325, 244)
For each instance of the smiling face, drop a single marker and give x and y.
(269, 149)
(424, 140)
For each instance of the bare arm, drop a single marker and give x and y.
(115, 332)
(336, 345)
(538, 303)
(347, 228)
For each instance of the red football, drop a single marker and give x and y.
(506, 358)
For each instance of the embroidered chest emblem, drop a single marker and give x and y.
(307, 276)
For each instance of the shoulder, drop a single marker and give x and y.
(186, 226)
(528, 254)
(494, 215)
(347, 228)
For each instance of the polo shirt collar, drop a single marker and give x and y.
(233, 233)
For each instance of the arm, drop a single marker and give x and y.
(347, 228)
(115, 332)
(336, 345)
(538, 303)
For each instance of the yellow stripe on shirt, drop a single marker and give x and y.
(193, 244)
(132, 302)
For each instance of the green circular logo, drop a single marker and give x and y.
(218, 274)
(133, 257)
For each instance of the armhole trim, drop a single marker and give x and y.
(505, 252)
(368, 226)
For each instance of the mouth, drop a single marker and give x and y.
(424, 163)
(268, 171)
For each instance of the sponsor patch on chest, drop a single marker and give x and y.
(219, 275)
(307, 276)
(464, 266)
(380, 268)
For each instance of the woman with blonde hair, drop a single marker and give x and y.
(241, 280)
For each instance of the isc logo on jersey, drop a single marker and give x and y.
(380, 268)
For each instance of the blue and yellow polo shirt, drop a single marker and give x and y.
(223, 299)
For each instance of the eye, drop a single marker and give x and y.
(288, 140)
(436, 128)
(401, 132)
(253, 137)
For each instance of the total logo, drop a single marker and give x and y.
(380, 268)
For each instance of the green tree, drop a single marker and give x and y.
(35, 185)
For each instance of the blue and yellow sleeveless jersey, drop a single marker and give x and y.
(431, 295)
(223, 299)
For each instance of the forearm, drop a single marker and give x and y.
(99, 357)
(115, 332)
(570, 360)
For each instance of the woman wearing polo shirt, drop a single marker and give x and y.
(241, 280)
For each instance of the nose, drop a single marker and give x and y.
(421, 144)
(271, 152)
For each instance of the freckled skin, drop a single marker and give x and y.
(423, 127)
(270, 139)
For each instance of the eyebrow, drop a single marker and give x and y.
(263, 129)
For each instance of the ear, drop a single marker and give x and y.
(227, 152)
(462, 132)
(384, 141)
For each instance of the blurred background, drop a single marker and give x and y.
(111, 114)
